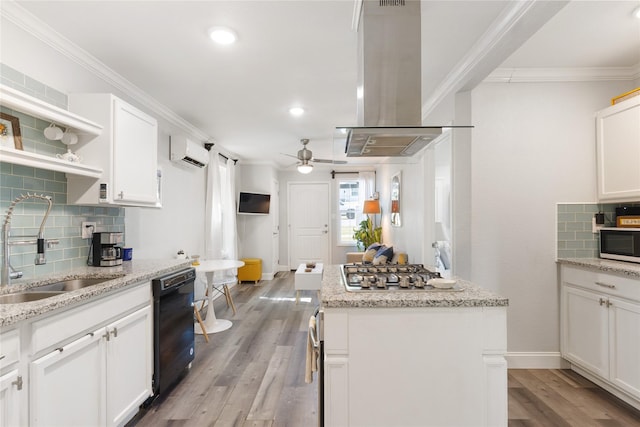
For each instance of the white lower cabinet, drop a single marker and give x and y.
(600, 329)
(98, 379)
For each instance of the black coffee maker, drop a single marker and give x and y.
(105, 253)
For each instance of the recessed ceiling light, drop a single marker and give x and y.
(296, 111)
(222, 35)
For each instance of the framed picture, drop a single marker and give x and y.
(10, 132)
(396, 182)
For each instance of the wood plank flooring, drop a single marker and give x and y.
(253, 375)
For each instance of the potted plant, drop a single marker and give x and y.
(366, 234)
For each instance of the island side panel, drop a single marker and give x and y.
(415, 366)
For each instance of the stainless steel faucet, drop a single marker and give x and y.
(8, 272)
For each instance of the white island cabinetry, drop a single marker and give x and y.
(126, 150)
(600, 326)
(430, 359)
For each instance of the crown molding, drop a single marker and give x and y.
(43, 32)
(541, 75)
(510, 16)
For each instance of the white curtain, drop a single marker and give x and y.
(368, 183)
(213, 209)
(229, 229)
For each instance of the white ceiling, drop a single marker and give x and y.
(304, 53)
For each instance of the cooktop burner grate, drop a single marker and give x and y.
(409, 277)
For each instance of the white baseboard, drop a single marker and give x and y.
(536, 360)
(267, 276)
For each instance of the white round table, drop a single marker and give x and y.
(209, 267)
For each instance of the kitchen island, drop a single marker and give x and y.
(413, 357)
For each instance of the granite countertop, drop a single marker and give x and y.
(127, 274)
(629, 269)
(334, 295)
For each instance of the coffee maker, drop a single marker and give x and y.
(105, 252)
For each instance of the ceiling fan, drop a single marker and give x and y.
(305, 158)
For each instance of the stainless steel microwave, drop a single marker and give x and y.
(621, 244)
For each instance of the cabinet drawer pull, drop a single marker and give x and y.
(3, 356)
(606, 285)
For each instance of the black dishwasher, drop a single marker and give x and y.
(173, 327)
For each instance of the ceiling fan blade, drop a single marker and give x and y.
(290, 155)
(335, 162)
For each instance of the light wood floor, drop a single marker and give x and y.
(253, 375)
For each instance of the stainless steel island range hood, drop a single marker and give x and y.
(389, 82)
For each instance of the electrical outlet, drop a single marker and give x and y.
(88, 228)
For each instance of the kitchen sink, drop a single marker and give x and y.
(19, 297)
(72, 284)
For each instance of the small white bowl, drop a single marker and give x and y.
(441, 283)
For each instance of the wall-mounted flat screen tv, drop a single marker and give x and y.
(253, 203)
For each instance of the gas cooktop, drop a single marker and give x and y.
(401, 278)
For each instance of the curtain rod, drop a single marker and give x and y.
(334, 173)
(208, 146)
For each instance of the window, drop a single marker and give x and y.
(350, 200)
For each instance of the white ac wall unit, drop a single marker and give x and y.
(185, 150)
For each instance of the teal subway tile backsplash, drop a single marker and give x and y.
(65, 221)
(575, 238)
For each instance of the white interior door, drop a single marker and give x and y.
(308, 223)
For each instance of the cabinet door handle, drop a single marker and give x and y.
(114, 332)
(609, 303)
(106, 336)
(3, 356)
(602, 301)
(606, 285)
(18, 382)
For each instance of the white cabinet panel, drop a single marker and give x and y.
(401, 367)
(10, 394)
(129, 365)
(618, 151)
(66, 385)
(134, 155)
(585, 322)
(624, 330)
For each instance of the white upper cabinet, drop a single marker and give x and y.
(618, 152)
(126, 150)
